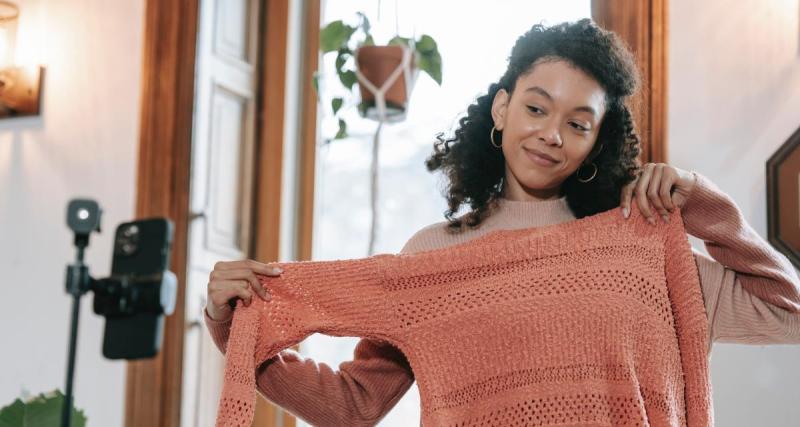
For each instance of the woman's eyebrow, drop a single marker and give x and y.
(544, 93)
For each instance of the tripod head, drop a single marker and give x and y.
(83, 217)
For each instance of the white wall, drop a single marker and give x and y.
(734, 98)
(84, 144)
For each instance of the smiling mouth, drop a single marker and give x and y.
(539, 160)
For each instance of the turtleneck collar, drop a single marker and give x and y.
(530, 213)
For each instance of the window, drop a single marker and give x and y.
(474, 40)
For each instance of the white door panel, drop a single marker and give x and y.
(222, 181)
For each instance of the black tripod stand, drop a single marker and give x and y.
(82, 220)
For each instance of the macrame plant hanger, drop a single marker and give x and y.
(381, 115)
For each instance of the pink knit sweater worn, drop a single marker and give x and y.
(598, 320)
(752, 298)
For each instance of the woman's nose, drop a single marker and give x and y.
(550, 135)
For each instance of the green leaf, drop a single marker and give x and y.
(342, 133)
(336, 104)
(399, 40)
(363, 106)
(431, 63)
(348, 78)
(43, 410)
(315, 82)
(365, 28)
(334, 36)
(426, 44)
(341, 58)
(364, 22)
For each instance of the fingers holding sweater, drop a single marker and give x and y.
(659, 189)
(242, 277)
(232, 280)
(260, 267)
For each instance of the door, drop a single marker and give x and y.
(221, 197)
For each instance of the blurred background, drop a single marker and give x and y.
(219, 115)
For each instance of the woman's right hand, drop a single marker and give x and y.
(231, 280)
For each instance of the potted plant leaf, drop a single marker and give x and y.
(377, 64)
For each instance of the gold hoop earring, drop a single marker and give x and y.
(590, 178)
(491, 137)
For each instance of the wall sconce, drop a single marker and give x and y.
(19, 85)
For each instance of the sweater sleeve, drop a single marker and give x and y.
(343, 297)
(361, 392)
(689, 314)
(751, 291)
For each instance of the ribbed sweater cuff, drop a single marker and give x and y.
(218, 329)
(707, 205)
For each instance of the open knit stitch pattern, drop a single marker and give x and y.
(599, 320)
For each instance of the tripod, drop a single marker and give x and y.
(134, 299)
(78, 283)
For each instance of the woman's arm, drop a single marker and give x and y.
(361, 392)
(751, 291)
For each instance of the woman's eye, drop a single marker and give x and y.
(579, 127)
(534, 109)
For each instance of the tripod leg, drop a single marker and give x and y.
(66, 412)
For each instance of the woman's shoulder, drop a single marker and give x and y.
(425, 238)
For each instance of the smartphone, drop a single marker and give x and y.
(130, 297)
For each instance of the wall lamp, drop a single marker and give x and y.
(20, 86)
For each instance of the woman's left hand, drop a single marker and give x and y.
(654, 186)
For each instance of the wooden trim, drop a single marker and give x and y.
(643, 25)
(269, 156)
(311, 59)
(271, 142)
(271, 117)
(153, 386)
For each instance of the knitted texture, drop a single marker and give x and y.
(596, 320)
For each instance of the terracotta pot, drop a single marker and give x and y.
(376, 63)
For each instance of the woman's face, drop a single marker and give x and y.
(557, 110)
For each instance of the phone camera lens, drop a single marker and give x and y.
(128, 239)
(128, 248)
(131, 231)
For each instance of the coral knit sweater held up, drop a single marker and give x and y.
(534, 318)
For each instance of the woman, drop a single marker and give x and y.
(550, 142)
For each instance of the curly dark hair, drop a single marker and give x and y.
(475, 169)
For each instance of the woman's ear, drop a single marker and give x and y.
(499, 106)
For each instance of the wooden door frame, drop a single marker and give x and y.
(311, 57)
(643, 24)
(153, 386)
(270, 154)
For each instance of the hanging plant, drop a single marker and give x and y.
(357, 53)
(385, 76)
